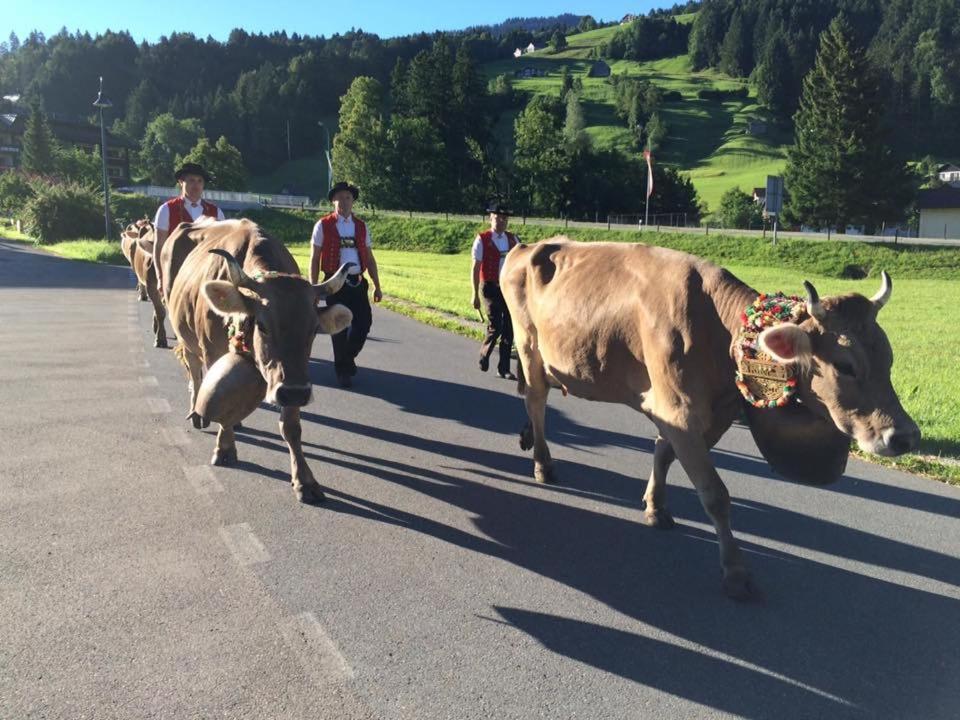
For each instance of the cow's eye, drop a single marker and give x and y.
(845, 368)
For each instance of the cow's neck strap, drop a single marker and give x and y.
(764, 382)
(240, 334)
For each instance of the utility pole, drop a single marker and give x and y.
(100, 103)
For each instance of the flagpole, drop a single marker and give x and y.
(646, 211)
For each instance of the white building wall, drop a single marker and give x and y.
(933, 222)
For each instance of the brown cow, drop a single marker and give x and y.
(141, 260)
(128, 245)
(231, 271)
(654, 329)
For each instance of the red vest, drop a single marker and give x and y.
(179, 214)
(490, 266)
(330, 252)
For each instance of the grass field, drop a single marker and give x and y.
(706, 138)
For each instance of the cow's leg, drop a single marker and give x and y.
(693, 453)
(535, 399)
(656, 514)
(195, 368)
(142, 292)
(305, 487)
(159, 315)
(225, 453)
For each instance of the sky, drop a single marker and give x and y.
(387, 18)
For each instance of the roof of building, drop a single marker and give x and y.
(69, 129)
(941, 198)
(948, 168)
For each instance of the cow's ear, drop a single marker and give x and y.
(333, 319)
(787, 343)
(224, 298)
(146, 244)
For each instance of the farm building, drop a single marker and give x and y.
(599, 69)
(940, 212)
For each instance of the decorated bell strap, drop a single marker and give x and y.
(764, 382)
(240, 333)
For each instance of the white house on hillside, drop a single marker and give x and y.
(518, 53)
(531, 47)
(949, 174)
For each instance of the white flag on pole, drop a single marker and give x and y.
(649, 159)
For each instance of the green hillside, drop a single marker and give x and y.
(706, 138)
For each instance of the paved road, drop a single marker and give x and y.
(438, 581)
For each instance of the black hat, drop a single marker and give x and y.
(353, 189)
(498, 207)
(192, 169)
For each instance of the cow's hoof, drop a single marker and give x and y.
(142, 297)
(526, 438)
(162, 344)
(204, 423)
(738, 585)
(224, 457)
(238, 426)
(309, 494)
(195, 420)
(660, 519)
(545, 474)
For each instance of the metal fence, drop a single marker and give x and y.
(227, 198)
(662, 222)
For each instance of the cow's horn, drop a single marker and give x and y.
(335, 282)
(813, 301)
(886, 287)
(237, 276)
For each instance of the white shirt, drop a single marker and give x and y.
(500, 241)
(162, 220)
(347, 229)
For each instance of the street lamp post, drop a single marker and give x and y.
(326, 152)
(100, 103)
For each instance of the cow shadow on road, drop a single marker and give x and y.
(829, 640)
(502, 413)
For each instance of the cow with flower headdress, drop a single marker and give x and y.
(692, 347)
(246, 320)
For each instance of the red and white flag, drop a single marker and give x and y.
(649, 158)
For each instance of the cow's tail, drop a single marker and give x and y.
(521, 379)
(180, 353)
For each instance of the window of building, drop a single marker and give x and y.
(114, 171)
(114, 153)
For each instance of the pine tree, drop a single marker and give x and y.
(774, 78)
(735, 50)
(840, 171)
(38, 153)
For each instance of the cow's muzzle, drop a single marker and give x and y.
(900, 440)
(896, 440)
(293, 395)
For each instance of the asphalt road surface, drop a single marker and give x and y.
(438, 581)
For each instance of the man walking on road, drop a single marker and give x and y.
(338, 238)
(189, 206)
(489, 250)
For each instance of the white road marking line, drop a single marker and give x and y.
(202, 479)
(245, 547)
(308, 638)
(158, 405)
(149, 381)
(175, 436)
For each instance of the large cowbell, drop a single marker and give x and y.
(232, 389)
(798, 444)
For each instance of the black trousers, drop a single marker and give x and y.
(499, 326)
(348, 343)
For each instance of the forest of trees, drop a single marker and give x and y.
(914, 45)
(417, 119)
